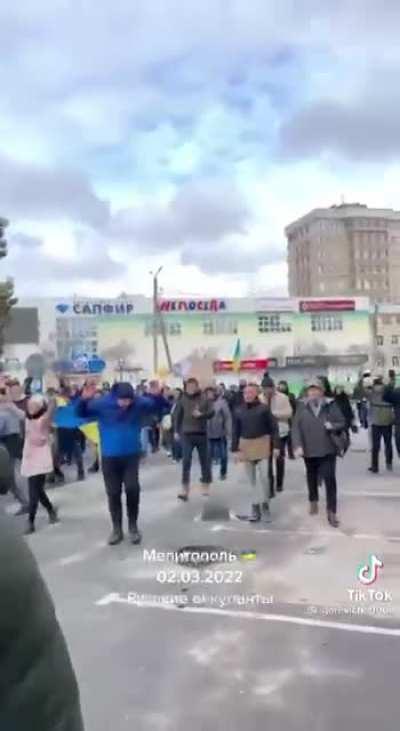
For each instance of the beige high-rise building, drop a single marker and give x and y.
(348, 249)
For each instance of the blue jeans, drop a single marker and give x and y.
(218, 449)
(145, 439)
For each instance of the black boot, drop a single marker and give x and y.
(53, 516)
(30, 528)
(255, 516)
(94, 468)
(59, 477)
(116, 536)
(332, 519)
(266, 514)
(135, 534)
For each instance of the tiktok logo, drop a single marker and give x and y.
(368, 574)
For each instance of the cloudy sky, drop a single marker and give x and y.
(140, 133)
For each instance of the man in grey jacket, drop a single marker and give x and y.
(381, 417)
(219, 430)
(316, 422)
(192, 414)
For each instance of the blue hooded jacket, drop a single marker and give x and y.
(120, 428)
(66, 417)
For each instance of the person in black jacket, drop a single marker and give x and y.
(191, 417)
(38, 688)
(255, 435)
(343, 402)
(391, 395)
(317, 422)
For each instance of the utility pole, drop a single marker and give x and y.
(159, 327)
(155, 319)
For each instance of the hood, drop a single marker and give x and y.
(123, 391)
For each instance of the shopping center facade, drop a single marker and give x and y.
(299, 337)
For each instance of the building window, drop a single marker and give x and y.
(175, 328)
(387, 319)
(395, 339)
(326, 322)
(398, 319)
(75, 336)
(379, 340)
(220, 326)
(273, 324)
(172, 328)
(395, 361)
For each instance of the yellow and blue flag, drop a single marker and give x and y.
(237, 357)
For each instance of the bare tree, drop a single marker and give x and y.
(121, 351)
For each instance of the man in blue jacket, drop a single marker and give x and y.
(120, 416)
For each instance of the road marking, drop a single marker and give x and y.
(242, 614)
(313, 534)
(78, 557)
(352, 493)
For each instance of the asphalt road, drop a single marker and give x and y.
(285, 642)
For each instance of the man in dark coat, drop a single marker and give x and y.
(191, 420)
(38, 689)
(317, 422)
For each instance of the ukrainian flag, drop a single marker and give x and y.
(237, 357)
(91, 432)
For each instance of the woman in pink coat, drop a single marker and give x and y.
(37, 461)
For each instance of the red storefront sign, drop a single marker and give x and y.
(212, 305)
(255, 364)
(327, 305)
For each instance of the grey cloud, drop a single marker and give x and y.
(207, 211)
(25, 241)
(199, 212)
(230, 258)
(366, 130)
(33, 191)
(37, 270)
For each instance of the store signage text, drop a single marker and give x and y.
(192, 305)
(97, 308)
(327, 305)
(351, 359)
(256, 364)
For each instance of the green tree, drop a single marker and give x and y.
(7, 299)
(3, 242)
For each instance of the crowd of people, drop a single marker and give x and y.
(261, 425)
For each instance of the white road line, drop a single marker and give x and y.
(241, 614)
(349, 493)
(313, 534)
(78, 557)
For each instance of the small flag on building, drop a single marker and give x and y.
(237, 357)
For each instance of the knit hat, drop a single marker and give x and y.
(267, 381)
(124, 391)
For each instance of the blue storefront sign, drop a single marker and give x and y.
(81, 364)
(102, 309)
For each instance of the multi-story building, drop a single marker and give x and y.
(347, 249)
(299, 337)
(387, 333)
